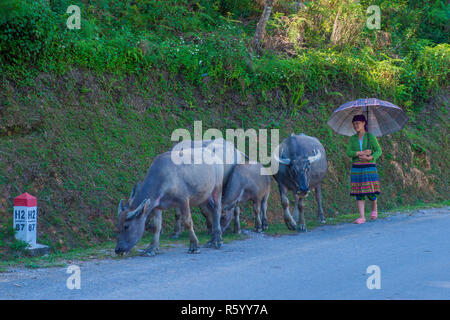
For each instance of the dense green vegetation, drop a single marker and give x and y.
(84, 112)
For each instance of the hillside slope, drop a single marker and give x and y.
(83, 114)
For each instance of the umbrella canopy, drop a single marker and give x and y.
(382, 117)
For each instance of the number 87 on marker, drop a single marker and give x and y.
(25, 218)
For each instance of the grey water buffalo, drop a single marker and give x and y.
(225, 151)
(303, 165)
(172, 185)
(246, 183)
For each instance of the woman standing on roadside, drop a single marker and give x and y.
(364, 150)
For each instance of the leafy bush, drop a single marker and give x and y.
(321, 23)
(434, 65)
(410, 21)
(172, 17)
(434, 20)
(194, 39)
(26, 30)
(236, 8)
(216, 55)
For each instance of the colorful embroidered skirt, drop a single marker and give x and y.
(364, 179)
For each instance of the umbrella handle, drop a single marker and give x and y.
(367, 122)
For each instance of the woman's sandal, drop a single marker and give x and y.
(374, 215)
(359, 221)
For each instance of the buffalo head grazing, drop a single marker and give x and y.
(298, 170)
(130, 223)
(131, 226)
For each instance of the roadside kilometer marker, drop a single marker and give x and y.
(74, 281)
(25, 218)
(374, 281)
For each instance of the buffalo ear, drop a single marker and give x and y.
(136, 188)
(283, 160)
(132, 194)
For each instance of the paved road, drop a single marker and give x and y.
(412, 252)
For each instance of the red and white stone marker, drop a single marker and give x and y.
(25, 218)
(25, 221)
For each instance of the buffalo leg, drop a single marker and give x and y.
(257, 211)
(149, 224)
(301, 215)
(237, 223)
(208, 221)
(318, 192)
(225, 219)
(295, 215)
(157, 222)
(214, 208)
(290, 223)
(216, 211)
(178, 228)
(189, 225)
(265, 225)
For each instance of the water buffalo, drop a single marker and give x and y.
(229, 155)
(170, 185)
(303, 165)
(246, 183)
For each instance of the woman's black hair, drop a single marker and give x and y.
(361, 117)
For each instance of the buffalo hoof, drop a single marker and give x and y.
(302, 228)
(322, 221)
(122, 254)
(194, 250)
(150, 252)
(265, 227)
(259, 230)
(291, 226)
(214, 244)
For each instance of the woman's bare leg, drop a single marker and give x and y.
(360, 204)
(374, 206)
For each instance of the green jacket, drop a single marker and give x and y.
(353, 147)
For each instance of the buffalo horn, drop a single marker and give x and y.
(135, 212)
(315, 157)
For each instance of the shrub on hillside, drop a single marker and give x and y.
(237, 8)
(434, 64)
(27, 29)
